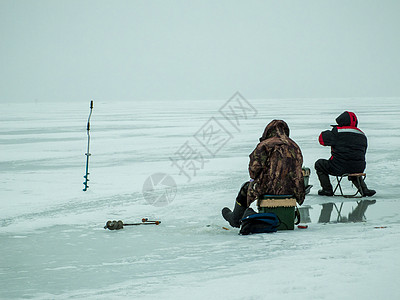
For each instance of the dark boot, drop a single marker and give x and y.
(327, 189)
(362, 186)
(234, 217)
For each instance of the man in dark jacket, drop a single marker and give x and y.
(348, 147)
(275, 168)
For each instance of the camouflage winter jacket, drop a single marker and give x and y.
(275, 165)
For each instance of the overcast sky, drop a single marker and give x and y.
(139, 50)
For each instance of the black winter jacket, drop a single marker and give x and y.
(348, 144)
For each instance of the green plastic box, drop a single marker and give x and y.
(285, 212)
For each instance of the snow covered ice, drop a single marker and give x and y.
(54, 246)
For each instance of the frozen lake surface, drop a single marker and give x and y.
(52, 239)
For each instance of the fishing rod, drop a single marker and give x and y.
(87, 152)
(116, 225)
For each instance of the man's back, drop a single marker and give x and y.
(276, 164)
(348, 147)
(348, 144)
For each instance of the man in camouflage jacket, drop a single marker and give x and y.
(276, 165)
(275, 168)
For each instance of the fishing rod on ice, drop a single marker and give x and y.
(87, 152)
(116, 225)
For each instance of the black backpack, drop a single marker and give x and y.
(259, 223)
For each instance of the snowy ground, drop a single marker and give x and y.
(52, 239)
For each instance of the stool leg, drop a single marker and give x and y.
(339, 180)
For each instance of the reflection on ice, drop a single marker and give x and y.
(336, 211)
